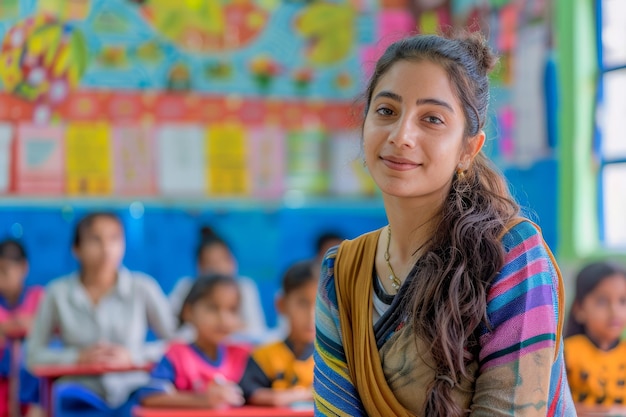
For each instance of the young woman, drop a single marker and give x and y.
(455, 308)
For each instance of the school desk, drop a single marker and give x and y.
(49, 373)
(247, 411)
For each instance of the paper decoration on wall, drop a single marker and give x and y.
(134, 160)
(42, 59)
(207, 26)
(428, 22)
(432, 16)
(527, 96)
(181, 160)
(266, 160)
(392, 25)
(348, 175)
(89, 164)
(9, 9)
(227, 160)
(329, 30)
(306, 157)
(6, 139)
(66, 9)
(40, 161)
(507, 36)
(506, 124)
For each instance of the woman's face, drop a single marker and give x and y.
(413, 132)
(102, 246)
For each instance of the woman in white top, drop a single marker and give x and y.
(214, 255)
(101, 314)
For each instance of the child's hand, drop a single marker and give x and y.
(293, 395)
(118, 356)
(23, 322)
(105, 354)
(95, 354)
(222, 393)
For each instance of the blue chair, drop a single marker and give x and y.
(74, 400)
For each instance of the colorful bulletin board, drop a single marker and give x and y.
(250, 98)
(191, 97)
(523, 115)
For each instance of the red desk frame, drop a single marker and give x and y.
(49, 373)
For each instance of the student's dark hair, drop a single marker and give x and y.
(322, 239)
(86, 222)
(298, 275)
(209, 238)
(204, 286)
(587, 280)
(13, 250)
(448, 289)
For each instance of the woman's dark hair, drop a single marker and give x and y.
(84, 225)
(209, 238)
(449, 283)
(204, 286)
(587, 280)
(298, 275)
(12, 250)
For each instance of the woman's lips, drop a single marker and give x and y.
(399, 164)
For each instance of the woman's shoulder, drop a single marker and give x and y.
(523, 232)
(528, 269)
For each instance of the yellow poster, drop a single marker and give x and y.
(88, 158)
(227, 168)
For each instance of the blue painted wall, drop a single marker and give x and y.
(162, 242)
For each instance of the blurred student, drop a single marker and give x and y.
(202, 374)
(101, 314)
(326, 241)
(213, 255)
(18, 305)
(281, 373)
(595, 355)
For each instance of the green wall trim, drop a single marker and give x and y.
(577, 69)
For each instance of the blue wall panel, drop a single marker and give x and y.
(162, 242)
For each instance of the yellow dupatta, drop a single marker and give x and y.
(353, 281)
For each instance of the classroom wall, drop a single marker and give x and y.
(274, 105)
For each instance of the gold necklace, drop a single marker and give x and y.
(395, 282)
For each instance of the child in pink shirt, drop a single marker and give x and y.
(18, 305)
(202, 374)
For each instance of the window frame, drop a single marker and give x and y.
(602, 160)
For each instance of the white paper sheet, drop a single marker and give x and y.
(6, 138)
(181, 160)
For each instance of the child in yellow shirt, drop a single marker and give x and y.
(281, 373)
(595, 355)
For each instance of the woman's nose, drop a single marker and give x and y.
(405, 132)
